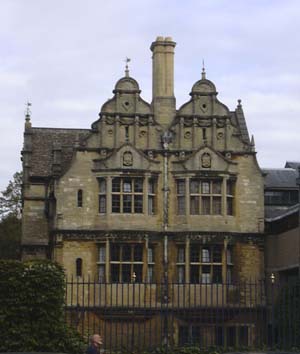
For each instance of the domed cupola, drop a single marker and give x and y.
(203, 86)
(127, 99)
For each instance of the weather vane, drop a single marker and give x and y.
(127, 60)
(203, 70)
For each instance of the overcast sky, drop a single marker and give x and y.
(65, 57)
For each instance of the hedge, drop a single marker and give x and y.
(32, 309)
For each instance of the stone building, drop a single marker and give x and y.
(151, 191)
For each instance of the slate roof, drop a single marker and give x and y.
(292, 164)
(277, 213)
(42, 142)
(280, 178)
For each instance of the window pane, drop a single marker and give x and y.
(194, 253)
(217, 206)
(138, 269)
(229, 187)
(126, 252)
(138, 203)
(151, 209)
(205, 205)
(181, 255)
(194, 186)
(205, 255)
(229, 206)
(194, 205)
(116, 184)
(150, 255)
(205, 278)
(102, 203)
(138, 253)
(127, 202)
(101, 274)
(194, 274)
(115, 271)
(217, 187)
(102, 254)
(181, 205)
(150, 275)
(126, 273)
(180, 270)
(229, 275)
(205, 187)
(138, 185)
(151, 186)
(115, 252)
(115, 203)
(127, 186)
(229, 256)
(217, 254)
(102, 185)
(217, 274)
(181, 186)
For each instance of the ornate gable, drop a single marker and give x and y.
(127, 157)
(205, 159)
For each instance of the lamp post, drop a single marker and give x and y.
(133, 279)
(298, 183)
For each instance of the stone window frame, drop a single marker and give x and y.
(147, 195)
(183, 195)
(139, 270)
(184, 263)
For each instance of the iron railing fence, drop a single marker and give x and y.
(143, 316)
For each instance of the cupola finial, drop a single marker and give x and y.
(203, 74)
(127, 60)
(27, 115)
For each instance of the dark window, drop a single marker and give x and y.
(79, 198)
(79, 267)
(181, 197)
(127, 195)
(102, 195)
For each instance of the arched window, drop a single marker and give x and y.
(78, 267)
(79, 198)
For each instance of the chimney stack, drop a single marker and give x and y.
(163, 99)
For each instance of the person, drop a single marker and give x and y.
(95, 343)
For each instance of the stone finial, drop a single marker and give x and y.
(127, 60)
(203, 74)
(239, 103)
(27, 116)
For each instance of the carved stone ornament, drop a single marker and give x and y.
(127, 158)
(206, 160)
(187, 135)
(150, 154)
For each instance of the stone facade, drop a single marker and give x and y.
(150, 191)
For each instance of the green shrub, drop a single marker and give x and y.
(32, 309)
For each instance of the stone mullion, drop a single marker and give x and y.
(108, 195)
(145, 194)
(224, 261)
(187, 196)
(187, 260)
(107, 263)
(224, 196)
(145, 260)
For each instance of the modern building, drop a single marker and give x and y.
(151, 192)
(282, 222)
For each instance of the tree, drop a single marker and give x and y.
(10, 218)
(11, 198)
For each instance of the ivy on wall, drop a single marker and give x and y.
(32, 309)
